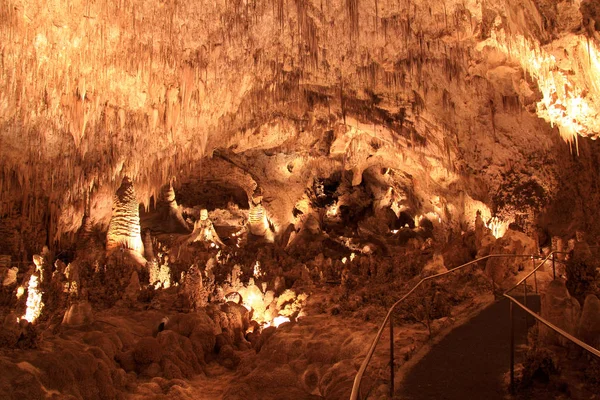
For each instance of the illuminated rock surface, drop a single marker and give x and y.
(124, 228)
(385, 136)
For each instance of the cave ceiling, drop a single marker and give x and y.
(450, 95)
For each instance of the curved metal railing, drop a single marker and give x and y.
(524, 307)
(533, 272)
(535, 269)
(365, 363)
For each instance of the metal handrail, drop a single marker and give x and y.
(365, 363)
(538, 267)
(556, 329)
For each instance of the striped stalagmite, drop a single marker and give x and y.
(124, 228)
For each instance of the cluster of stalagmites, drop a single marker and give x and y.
(219, 325)
(106, 351)
(36, 292)
(102, 356)
(571, 301)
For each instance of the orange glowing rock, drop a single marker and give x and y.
(124, 228)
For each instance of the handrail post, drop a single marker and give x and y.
(553, 266)
(512, 349)
(525, 301)
(391, 357)
(427, 319)
(535, 274)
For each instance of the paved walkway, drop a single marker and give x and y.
(470, 362)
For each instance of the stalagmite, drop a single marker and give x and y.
(258, 224)
(85, 231)
(204, 231)
(148, 250)
(34, 299)
(124, 227)
(170, 211)
(394, 140)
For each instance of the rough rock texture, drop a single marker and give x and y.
(171, 212)
(198, 327)
(110, 358)
(132, 290)
(304, 358)
(10, 276)
(148, 247)
(445, 93)
(84, 369)
(350, 115)
(124, 228)
(589, 324)
(78, 314)
(231, 319)
(503, 269)
(581, 271)
(560, 309)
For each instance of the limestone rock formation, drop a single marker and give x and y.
(85, 230)
(78, 314)
(10, 277)
(124, 228)
(581, 270)
(502, 270)
(204, 231)
(148, 247)
(383, 133)
(588, 329)
(258, 223)
(560, 309)
(170, 211)
(132, 290)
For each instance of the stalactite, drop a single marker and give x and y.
(511, 104)
(353, 15)
(280, 12)
(564, 102)
(376, 16)
(111, 101)
(308, 34)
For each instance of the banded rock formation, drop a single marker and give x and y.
(124, 228)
